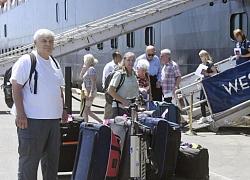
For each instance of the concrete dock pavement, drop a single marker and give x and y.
(228, 151)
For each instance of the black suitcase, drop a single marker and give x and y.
(193, 163)
(165, 146)
(92, 152)
(171, 113)
(168, 111)
(69, 139)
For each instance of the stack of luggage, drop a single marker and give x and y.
(146, 148)
(69, 141)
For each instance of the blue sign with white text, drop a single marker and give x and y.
(228, 88)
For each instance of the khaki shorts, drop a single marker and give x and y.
(89, 102)
(108, 111)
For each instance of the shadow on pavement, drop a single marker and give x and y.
(5, 112)
(96, 112)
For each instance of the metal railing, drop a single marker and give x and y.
(114, 25)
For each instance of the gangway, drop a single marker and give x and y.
(109, 27)
(188, 79)
(227, 95)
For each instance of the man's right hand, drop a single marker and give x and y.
(21, 122)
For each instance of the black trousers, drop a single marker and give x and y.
(203, 105)
(156, 92)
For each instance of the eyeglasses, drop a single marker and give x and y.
(151, 55)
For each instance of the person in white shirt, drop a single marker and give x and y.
(38, 113)
(109, 67)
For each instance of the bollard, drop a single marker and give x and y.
(191, 132)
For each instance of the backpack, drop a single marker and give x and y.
(7, 86)
(108, 97)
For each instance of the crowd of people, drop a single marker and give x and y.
(144, 75)
(39, 110)
(159, 77)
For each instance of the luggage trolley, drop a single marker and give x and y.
(138, 145)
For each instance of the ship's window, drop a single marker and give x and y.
(100, 46)
(57, 12)
(66, 9)
(114, 43)
(5, 30)
(149, 36)
(87, 48)
(238, 21)
(131, 40)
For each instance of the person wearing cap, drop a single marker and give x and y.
(89, 76)
(154, 71)
(171, 75)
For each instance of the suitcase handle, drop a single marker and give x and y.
(90, 125)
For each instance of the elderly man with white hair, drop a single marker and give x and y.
(38, 107)
(171, 75)
(154, 71)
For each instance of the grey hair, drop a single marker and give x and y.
(166, 52)
(144, 64)
(89, 60)
(43, 33)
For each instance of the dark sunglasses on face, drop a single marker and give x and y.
(151, 54)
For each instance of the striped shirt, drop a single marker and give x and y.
(170, 72)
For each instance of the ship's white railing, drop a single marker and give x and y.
(230, 117)
(112, 26)
(187, 82)
(8, 5)
(183, 98)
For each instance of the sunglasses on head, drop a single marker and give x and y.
(151, 54)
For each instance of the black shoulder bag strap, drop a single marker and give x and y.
(57, 66)
(32, 70)
(118, 87)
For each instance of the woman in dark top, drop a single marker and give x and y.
(244, 45)
(211, 70)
